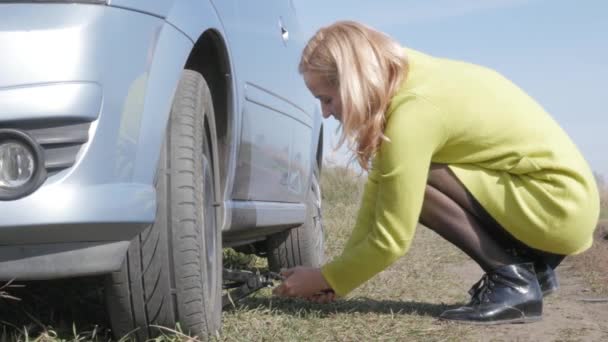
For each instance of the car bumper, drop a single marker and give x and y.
(96, 69)
(81, 231)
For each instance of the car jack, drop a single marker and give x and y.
(240, 284)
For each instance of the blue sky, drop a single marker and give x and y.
(556, 50)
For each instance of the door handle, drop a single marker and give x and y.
(284, 31)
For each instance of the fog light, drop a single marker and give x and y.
(17, 164)
(21, 164)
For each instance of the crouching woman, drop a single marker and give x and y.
(463, 151)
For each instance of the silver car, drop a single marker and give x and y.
(139, 138)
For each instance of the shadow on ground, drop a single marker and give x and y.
(356, 305)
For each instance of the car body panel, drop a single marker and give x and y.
(266, 79)
(60, 260)
(55, 101)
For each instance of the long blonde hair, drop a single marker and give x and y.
(368, 67)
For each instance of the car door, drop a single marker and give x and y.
(304, 103)
(267, 115)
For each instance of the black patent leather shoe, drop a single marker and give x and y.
(547, 279)
(509, 294)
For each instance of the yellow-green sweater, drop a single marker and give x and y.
(506, 150)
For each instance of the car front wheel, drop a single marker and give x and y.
(172, 271)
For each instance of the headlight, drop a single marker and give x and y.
(16, 164)
(21, 164)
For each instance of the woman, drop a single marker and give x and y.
(463, 151)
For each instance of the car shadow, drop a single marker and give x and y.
(63, 304)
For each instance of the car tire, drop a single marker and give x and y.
(172, 271)
(303, 245)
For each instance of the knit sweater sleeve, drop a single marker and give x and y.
(393, 195)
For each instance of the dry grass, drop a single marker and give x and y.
(401, 303)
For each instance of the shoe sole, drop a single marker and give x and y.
(506, 321)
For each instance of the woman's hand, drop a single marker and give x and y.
(303, 282)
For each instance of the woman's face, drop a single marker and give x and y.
(331, 103)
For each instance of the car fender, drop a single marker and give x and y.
(171, 54)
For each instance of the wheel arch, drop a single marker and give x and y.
(210, 58)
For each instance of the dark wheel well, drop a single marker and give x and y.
(210, 58)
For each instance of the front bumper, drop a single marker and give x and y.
(111, 73)
(72, 231)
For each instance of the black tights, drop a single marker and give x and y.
(452, 212)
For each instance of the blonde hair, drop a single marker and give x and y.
(368, 68)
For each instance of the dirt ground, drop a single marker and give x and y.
(574, 313)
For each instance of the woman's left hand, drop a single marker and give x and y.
(301, 282)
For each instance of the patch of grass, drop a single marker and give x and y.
(237, 260)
